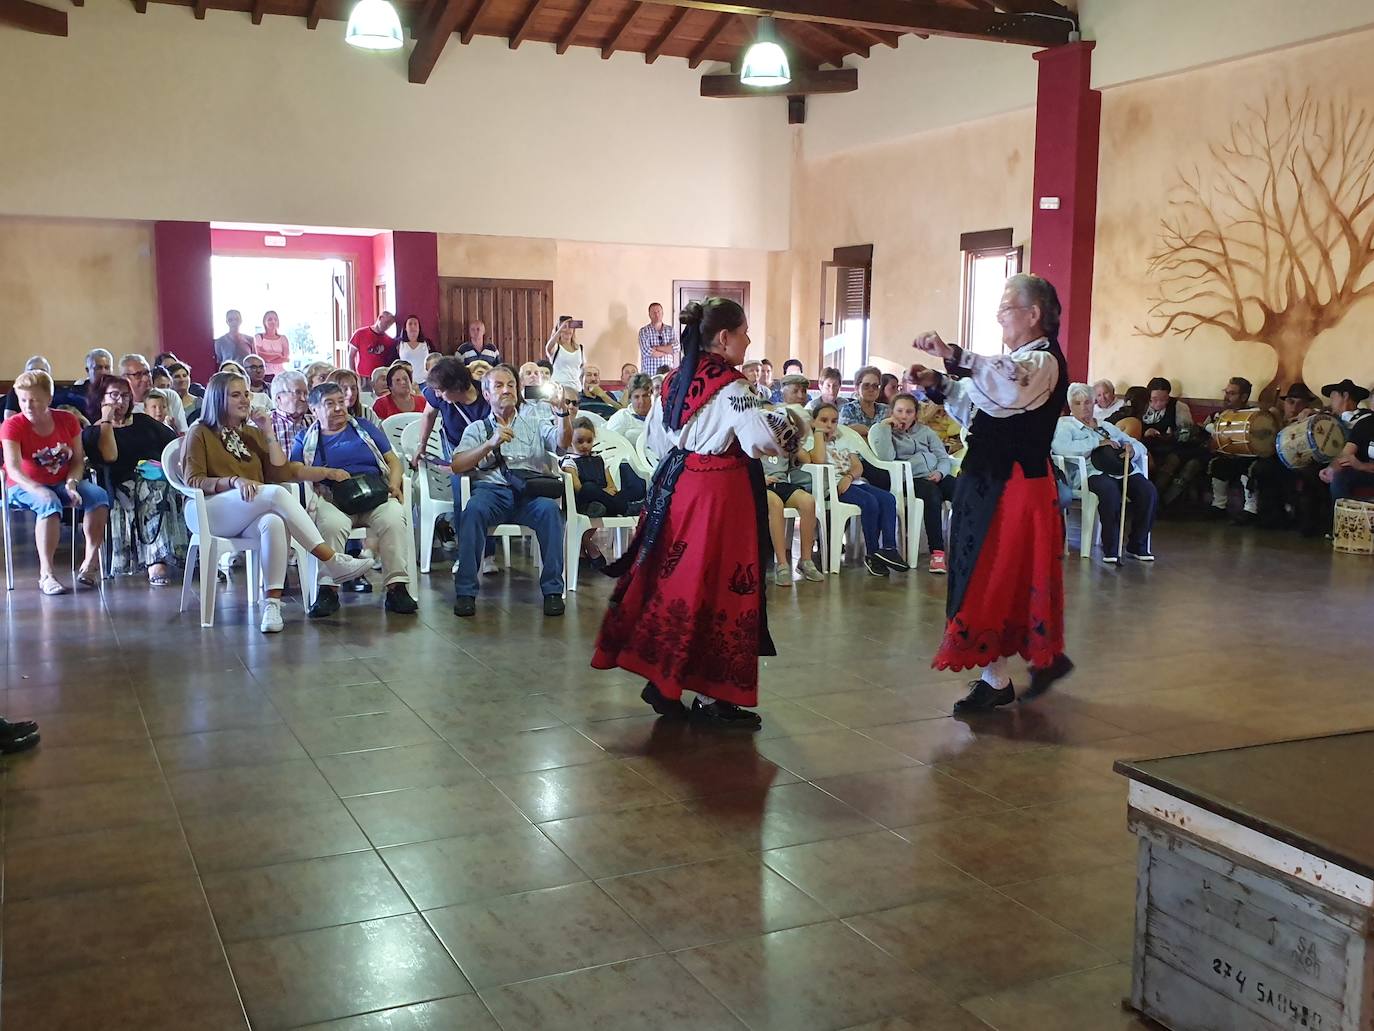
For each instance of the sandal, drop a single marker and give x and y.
(159, 579)
(51, 585)
(85, 579)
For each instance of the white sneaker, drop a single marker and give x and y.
(809, 570)
(344, 568)
(271, 616)
(489, 566)
(782, 574)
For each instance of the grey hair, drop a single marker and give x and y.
(38, 362)
(864, 371)
(131, 358)
(1105, 383)
(215, 404)
(1080, 392)
(288, 379)
(322, 390)
(639, 381)
(1041, 293)
(97, 352)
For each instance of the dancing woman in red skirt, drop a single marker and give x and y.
(1006, 540)
(688, 612)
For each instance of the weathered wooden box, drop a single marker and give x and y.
(1242, 922)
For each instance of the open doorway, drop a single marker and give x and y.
(846, 301)
(989, 260)
(309, 295)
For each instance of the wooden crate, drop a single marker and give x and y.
(1227, 943)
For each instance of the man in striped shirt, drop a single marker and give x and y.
(657, 343)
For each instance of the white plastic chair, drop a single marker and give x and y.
(394, 426)
(648, 461)
(433, 488)
(614, 450)
(504, 532)
(206, 546)
(910, 508)
(791, 515)
(1087, 500)
(8, 535)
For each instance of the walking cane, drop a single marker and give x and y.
(1121, 523)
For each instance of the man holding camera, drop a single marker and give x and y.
(513, 481)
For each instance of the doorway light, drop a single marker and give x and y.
(765, 63)
(374, 25)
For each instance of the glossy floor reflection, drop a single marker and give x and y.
(380, 822)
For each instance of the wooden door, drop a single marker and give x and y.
(518, 314)
(686, 290)
(846, 296)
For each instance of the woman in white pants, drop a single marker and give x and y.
(241, 469)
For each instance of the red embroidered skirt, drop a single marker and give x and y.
(687, 617)
(1014, 604)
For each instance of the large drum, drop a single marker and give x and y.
(1250, 432)
(1317, 439)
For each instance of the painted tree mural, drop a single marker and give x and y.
(1273, 241)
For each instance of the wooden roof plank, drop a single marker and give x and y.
(570, 36)
(712, 38)
(312, 16)
(259, 7)
(800, 39)
(470, 28)
(31, 17)
(919, 16)
(526, 23)
(622, 31)
(431, 39)
(665, 37)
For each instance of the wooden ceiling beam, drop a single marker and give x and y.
(848, 39)
(259, 6)
(622, 32)
(712, 38)
(199, 8)
(141, 6)
(312, 16)
(570, 36)
(1030, 29)
(1050, 7)
(665, 37)
(522, 31)
(805, 82)
(431, 39)
(800, 39)
(31, 17)
(887, 39)
(470, 28)
(427, 13)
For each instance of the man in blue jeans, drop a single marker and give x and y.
(501, 454)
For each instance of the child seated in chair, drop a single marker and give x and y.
(877, 508)
(155, 407)
(595, 493)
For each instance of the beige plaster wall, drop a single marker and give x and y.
(68, 286)
(610, 286)
(1152, 131)
(911, 200)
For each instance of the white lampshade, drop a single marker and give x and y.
(374, 25)
(765, 63)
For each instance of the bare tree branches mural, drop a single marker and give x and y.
(1274, 241)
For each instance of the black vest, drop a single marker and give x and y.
(995, 445)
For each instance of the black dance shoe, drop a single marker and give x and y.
(724, 714)
(8, 746)
(17, 729)
(326, 603)
(983, 697)
(875, 565)
(892, 558)
(1044, 678)
(661, 703)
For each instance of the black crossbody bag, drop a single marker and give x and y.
(525, 484)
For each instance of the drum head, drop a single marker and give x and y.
(1326, 437)
(1131, 426)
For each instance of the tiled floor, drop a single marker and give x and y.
(379, 822)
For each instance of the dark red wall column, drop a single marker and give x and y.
(1068, 117)
(416, 260)
(185, 322)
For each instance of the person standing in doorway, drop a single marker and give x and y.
(233, 346)
(413, 347)
(372, 348)
(657, 343)
(271, 345)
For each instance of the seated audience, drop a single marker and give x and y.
(290, 410)
(1080, 435)
(157, 406)
(135, 369)
(37, 363)
(351, 385)
(878, 508)
(1136, 404)
(241, 468)
(629, 421)
(789, 486)
(162, 378)
(753, 372)
(592, 390)
(401, 397)
(99, 362)
(457, 402)
(830, 383)
(1105, 402)
(45, 465)
(1171, 437)
(866, 408)
(317, 373)
(1352, 471)
(793, 366)
(478, 369)
(507, 456)
(1282, 490)
(256, 368)
(477, 347)
(767, 384)
(145, 516)
(901, 437)
(376, 384)
(932, 414)
(335, 440)
(258, 401)
(1226, 470)
(627, 370)
(181, 383)
(794, 389)
(888, 388)
(532, 379)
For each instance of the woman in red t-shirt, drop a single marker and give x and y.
(44, 462)
(400, 398)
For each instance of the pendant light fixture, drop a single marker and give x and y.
(765, 63)
(374, 25)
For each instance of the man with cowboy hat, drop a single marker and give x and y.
(1279, 487)
(1344, 401)
(1353, 469)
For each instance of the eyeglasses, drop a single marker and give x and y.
(141, 374)
(116, 395)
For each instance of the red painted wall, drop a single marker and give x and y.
(357, 249)
(416, 256)
(181, 268)
(1068, 117)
